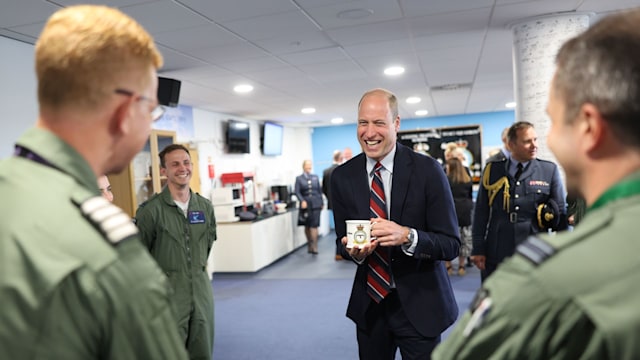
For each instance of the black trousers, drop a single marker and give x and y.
(390, 329)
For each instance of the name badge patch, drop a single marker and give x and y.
(196, 217)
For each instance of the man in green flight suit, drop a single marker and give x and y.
(576, 295)
(178, 227)
(75, 281)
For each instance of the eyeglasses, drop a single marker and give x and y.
(157, 111)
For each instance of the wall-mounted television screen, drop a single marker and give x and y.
(237, 137)
(272, 139)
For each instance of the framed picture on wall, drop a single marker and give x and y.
(433, 142)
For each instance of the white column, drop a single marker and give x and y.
(536, 42)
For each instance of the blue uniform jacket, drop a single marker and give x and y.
(308, 188)
(502, 223)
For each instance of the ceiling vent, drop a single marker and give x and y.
(451, 87)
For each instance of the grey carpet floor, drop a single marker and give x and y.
(295, 308)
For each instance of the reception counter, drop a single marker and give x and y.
(248, 246)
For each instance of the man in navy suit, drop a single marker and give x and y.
(418, 234)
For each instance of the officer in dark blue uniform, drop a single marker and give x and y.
(309, 192)
(518, 196)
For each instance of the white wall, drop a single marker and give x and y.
(268, 170)
(18, 94)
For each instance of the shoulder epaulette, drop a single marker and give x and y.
(545, 161)
(113, 223)
(144, 203)
(198, 194)
(535, 250)
(497, 157)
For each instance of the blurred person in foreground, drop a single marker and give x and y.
(77, 283)
(575, 295)
(401, 295)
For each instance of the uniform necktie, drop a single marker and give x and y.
(379, 275)
(518, 172)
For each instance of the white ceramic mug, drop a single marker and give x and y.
(358, 233)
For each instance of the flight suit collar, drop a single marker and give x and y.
(166, 197)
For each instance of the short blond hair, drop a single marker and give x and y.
(84, 50)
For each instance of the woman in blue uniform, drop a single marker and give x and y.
(309, 193)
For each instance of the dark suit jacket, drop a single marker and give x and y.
(420, 199)
(326, 184)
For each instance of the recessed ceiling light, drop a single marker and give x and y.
(413, 100)
(510, 105)
(243, 88)
(308, 110)
(394, 70)
(422, 112)
(337, 120)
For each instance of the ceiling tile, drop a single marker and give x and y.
(204, 36)
(270, 26)
(224, 11)
(295, 42)
(507, 14)
(330, 54)
(370, 33)
(417, 8)
(26, 13)
(174, 60)
(162, 16)
(227, 53)
(472, 20)
(346, 14)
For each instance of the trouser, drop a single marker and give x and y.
(390, 329)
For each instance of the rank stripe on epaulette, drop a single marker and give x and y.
(109, 219)
(535, 250)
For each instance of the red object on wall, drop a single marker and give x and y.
(212, 173)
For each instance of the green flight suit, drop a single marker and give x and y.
(574, 295)
(181, 245)
(73, 286)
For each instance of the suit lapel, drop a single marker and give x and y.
(402, 168)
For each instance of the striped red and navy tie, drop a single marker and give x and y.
(379, 276)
